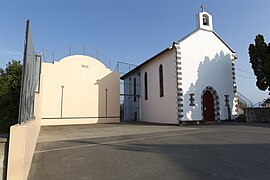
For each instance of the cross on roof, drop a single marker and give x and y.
(203, 7)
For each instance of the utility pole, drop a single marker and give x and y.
(106, 105)
(62, 100)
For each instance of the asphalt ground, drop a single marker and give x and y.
(147, 151)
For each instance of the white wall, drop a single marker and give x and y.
(22, 143)
(84, 80)
(206, 61)
(160, 109)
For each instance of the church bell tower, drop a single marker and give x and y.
(204, 20)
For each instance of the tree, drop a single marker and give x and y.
(259, 54)
(10, 85)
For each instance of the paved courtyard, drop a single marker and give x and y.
(145, 151)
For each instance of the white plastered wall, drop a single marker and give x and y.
(74, 92)
(155, 108)
(22, 143)
(206, 61)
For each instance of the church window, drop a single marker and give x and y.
(191, 99)
(161, 87)
(134, 89)
(205, 20)
(145, 86)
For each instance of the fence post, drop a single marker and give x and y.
(62, 96)
(106, 113)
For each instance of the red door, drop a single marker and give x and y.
(208, 106)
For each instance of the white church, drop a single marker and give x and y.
(192, 80)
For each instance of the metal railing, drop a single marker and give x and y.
(56, 55)
(244, 100)
(123, 67)
(258, 104)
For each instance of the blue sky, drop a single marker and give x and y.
(132, 31)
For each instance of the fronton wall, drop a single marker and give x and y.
(79, 90)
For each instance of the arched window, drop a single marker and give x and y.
(161, 87)
(205, 20)
(145, 86)
(134, 90)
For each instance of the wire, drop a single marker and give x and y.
(245, 77)
(244, 71)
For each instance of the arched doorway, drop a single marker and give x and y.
(208, 106)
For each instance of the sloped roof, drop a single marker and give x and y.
(187, 36)
(169, 48)
(145, 62)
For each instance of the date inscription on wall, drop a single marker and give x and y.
(84, 66)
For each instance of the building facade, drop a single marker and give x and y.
(193, 80)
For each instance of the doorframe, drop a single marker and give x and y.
(216, 102)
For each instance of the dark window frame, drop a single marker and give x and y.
(145, 86)
(161, 81)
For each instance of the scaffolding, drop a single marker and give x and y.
(129, 93)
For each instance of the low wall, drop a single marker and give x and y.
(257, 114)
(22, 143)
(73, 121)
(3, 157)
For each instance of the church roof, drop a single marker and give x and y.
(190, 34)
(136, 69)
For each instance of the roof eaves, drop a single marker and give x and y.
(136, 69)
(223, 42)
(187, 36)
